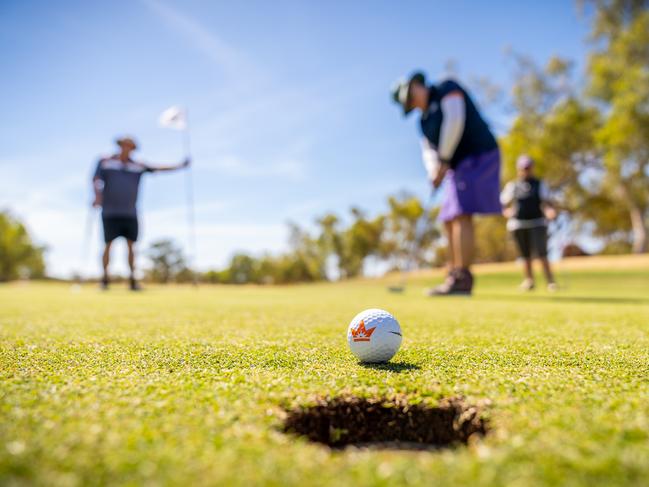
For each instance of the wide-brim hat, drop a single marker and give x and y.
(126, 141)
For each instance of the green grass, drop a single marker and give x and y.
(184, 386)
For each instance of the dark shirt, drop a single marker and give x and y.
(527, 199)
(121, 185)
(476, 138)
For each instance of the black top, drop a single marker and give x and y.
(527, 199)
(476, 139)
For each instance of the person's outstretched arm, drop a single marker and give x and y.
(173, 167)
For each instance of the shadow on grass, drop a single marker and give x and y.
(392, 366)
(564, 299)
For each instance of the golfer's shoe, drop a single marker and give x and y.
(527, 285)
(134, 285)
(553, 287)
(458, 283)
(105, 284)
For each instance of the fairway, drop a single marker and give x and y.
(177, 385)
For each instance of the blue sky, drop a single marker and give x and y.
(288, 103)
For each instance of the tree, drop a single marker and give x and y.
(305, 257)
(331, 241)
(493, 243)
(618, 81)
(242, 269)
(19, 257)
(167, 261)
(410, 233)
(556, 128)
(362, 239)
(552, 125)
(352, 245)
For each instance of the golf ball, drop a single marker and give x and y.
(374, 335)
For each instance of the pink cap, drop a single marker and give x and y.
(524, 162)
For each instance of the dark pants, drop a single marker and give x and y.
(120, 226)
(532, 241)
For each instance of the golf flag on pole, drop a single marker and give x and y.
(174, 118)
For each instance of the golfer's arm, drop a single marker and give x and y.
(167, 167)
(454, 115)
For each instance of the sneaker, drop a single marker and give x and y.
(134, 286)
(458, 283)
(105, 283)
(553, 287)
(448, 282)
(527, 285)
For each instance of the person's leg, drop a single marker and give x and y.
(131, 231)
(133, 284)
(527, 269)
(547, 270)
(460, 280)
(451, 259)
(131, 257)
(105, 260)
(528, 282)
(463, 239)
(523, 242)
(540, 237)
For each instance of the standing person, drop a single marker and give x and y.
(116, 182)
(457, 147)
(527, 207)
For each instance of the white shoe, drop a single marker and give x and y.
(553, 287)
(527, 285)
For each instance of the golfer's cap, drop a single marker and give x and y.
(401, 90)
(524, 162)
(121, 141)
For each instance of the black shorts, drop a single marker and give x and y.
(532, 241)
(120, 226)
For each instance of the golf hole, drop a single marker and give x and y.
(388, 423)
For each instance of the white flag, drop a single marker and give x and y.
(174, 118)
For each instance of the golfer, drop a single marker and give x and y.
(528, 208)
(116, 182)
(458, 148)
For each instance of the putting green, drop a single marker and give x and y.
(185, 386)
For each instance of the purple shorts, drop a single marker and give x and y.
(473, 187)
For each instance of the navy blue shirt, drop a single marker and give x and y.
(121, 185)
(476, 138)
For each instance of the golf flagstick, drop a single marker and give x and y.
(176, 118)
(189, 194)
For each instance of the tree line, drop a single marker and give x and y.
(20, 258)
(405, 235)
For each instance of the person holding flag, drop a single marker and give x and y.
(458, 148)
(116, 183)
